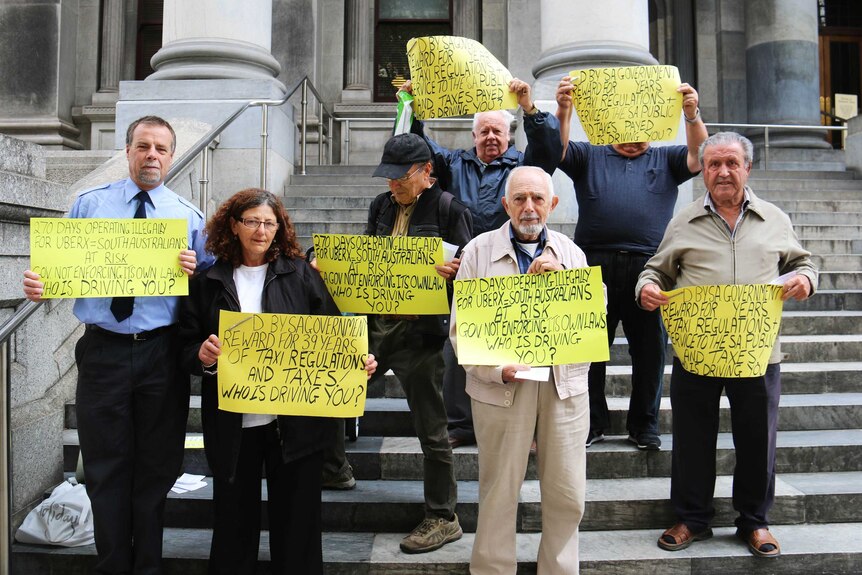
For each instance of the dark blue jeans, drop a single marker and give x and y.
(754, 420)
(646, 338)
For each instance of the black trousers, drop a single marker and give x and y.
(132, 405)
(646, 338)
(293, 510)
(754, 419)
(459, 410)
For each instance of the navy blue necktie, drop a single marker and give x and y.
(121, 307)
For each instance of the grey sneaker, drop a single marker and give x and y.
(342, 482)
(432, 533)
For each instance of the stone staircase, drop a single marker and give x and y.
(818, 510)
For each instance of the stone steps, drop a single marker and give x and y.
(825, 217)
(352, 188)
(400, 458)
(826, 206)
(395, 506)
(796, 378)
(839, 280)
(390, 417)
(833, 246)
(817, 515)
(834, 548)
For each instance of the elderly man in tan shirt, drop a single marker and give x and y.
(729, 236)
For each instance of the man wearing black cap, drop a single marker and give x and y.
(411, 345)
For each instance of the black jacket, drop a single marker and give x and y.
(438, 214)
(291, 286)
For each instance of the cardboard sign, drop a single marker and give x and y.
(724, 330)
(552, 318)
(383, 274)
(284, 364)
(630, 104)
(90, 257)
(455, 76)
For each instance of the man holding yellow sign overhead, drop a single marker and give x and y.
(728, 236)
(626, 195)
(511, 408)
(132, 400)
(477, 177)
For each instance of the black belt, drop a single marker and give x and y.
(140, 336)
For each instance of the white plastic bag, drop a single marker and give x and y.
(64, 518)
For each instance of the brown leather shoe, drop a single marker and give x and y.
(760, 542)
(680, 536)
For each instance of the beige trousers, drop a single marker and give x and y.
(504, 435)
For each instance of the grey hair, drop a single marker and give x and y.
(725, 139)
(549, 182)
(507, 117)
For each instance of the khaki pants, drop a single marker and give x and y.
(504, 435)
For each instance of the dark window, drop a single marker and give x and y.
(150, 14)
(840, 13)
(397, 22)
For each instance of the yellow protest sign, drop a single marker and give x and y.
(455, 76)
(284, 364)
(83, 257)
(630, 104)
(724, 330)
(552, 318)
(382, 274)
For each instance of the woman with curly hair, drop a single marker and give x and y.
(259, 269)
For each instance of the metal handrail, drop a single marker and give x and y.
(346, 121)
(767, 127)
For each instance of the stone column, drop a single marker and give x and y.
(782, 72)
(205, 39)
(589, 34)
(113, 38)
(38, 74)
(102, 112)
(359, 52)
(466, 19)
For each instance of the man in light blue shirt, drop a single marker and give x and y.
(132, 400)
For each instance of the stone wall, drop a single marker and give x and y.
(42, 369)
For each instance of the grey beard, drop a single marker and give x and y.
(529, 229)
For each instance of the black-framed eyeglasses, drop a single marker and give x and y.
(254, 224)
(403, 179)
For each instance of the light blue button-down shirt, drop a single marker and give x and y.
(117, 200)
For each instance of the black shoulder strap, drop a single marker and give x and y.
(443, 212)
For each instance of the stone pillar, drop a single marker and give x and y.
(102, 112)
(467, 20)
(204, 39)
(38, 75)
(358, 51)
(589, 34)
(113, 38)
(782, 73)
(215, 57)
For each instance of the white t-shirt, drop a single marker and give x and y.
(249, 287)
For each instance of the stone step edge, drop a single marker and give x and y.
(802, 547)
(612, 443)
(633, 489)
(399, 404)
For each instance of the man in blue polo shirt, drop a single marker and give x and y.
(626, 195)
(132, 400)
